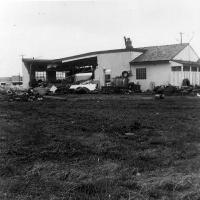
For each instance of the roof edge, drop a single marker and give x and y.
(186, 44)
(31, 60)
(101, 52)
(163, 45)
(84, 54)
(186, 62)
(148, 62)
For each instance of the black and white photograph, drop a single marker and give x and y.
(100, 100)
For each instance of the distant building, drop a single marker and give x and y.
(13, 80)
(147, 66)
(16, 80)
(5, 80)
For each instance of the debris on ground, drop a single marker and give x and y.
(29, 95)
(159, 96)
(62, 89)
(134, 87)
(53, 89)
(83, 87)
(130, 88)
(41, 90)
(173, 90)
(186, 82)
(115, 90)
(129, 134)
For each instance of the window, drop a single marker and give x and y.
(141, 73)
(60, 75)
(40, 76)
(186, 68)
(194, 69)
(176, 68)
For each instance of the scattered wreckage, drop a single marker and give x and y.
(119, 85)
(41, 91)
(177, 91)
(84, 87)
(29, 95)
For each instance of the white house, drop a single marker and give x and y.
(148, 66)
(163, 65)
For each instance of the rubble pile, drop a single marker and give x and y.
(173, 90)
(28, 95)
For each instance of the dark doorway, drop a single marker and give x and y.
(51, 76)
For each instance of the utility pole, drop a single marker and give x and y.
(181, 35)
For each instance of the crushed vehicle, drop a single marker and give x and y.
(83, 87)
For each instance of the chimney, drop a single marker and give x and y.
(128, 43)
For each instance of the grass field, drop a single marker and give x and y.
(77, 149)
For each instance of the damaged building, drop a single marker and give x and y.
(146, 66)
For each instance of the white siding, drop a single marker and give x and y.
(156, 74)
(178, 76)
(116, 62)
(194, 78)
(187, 54)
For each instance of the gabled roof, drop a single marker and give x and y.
(159, 53)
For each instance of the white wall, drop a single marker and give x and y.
(178, 76)
(116, 62)
(187, 54)
(26, 77)
(159, 74)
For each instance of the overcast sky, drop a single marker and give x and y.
(54, 29)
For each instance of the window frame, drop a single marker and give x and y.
(59, 75)
(40, 75)
(194, 69)
(176, 68)
(185, 68)
(140, 74)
